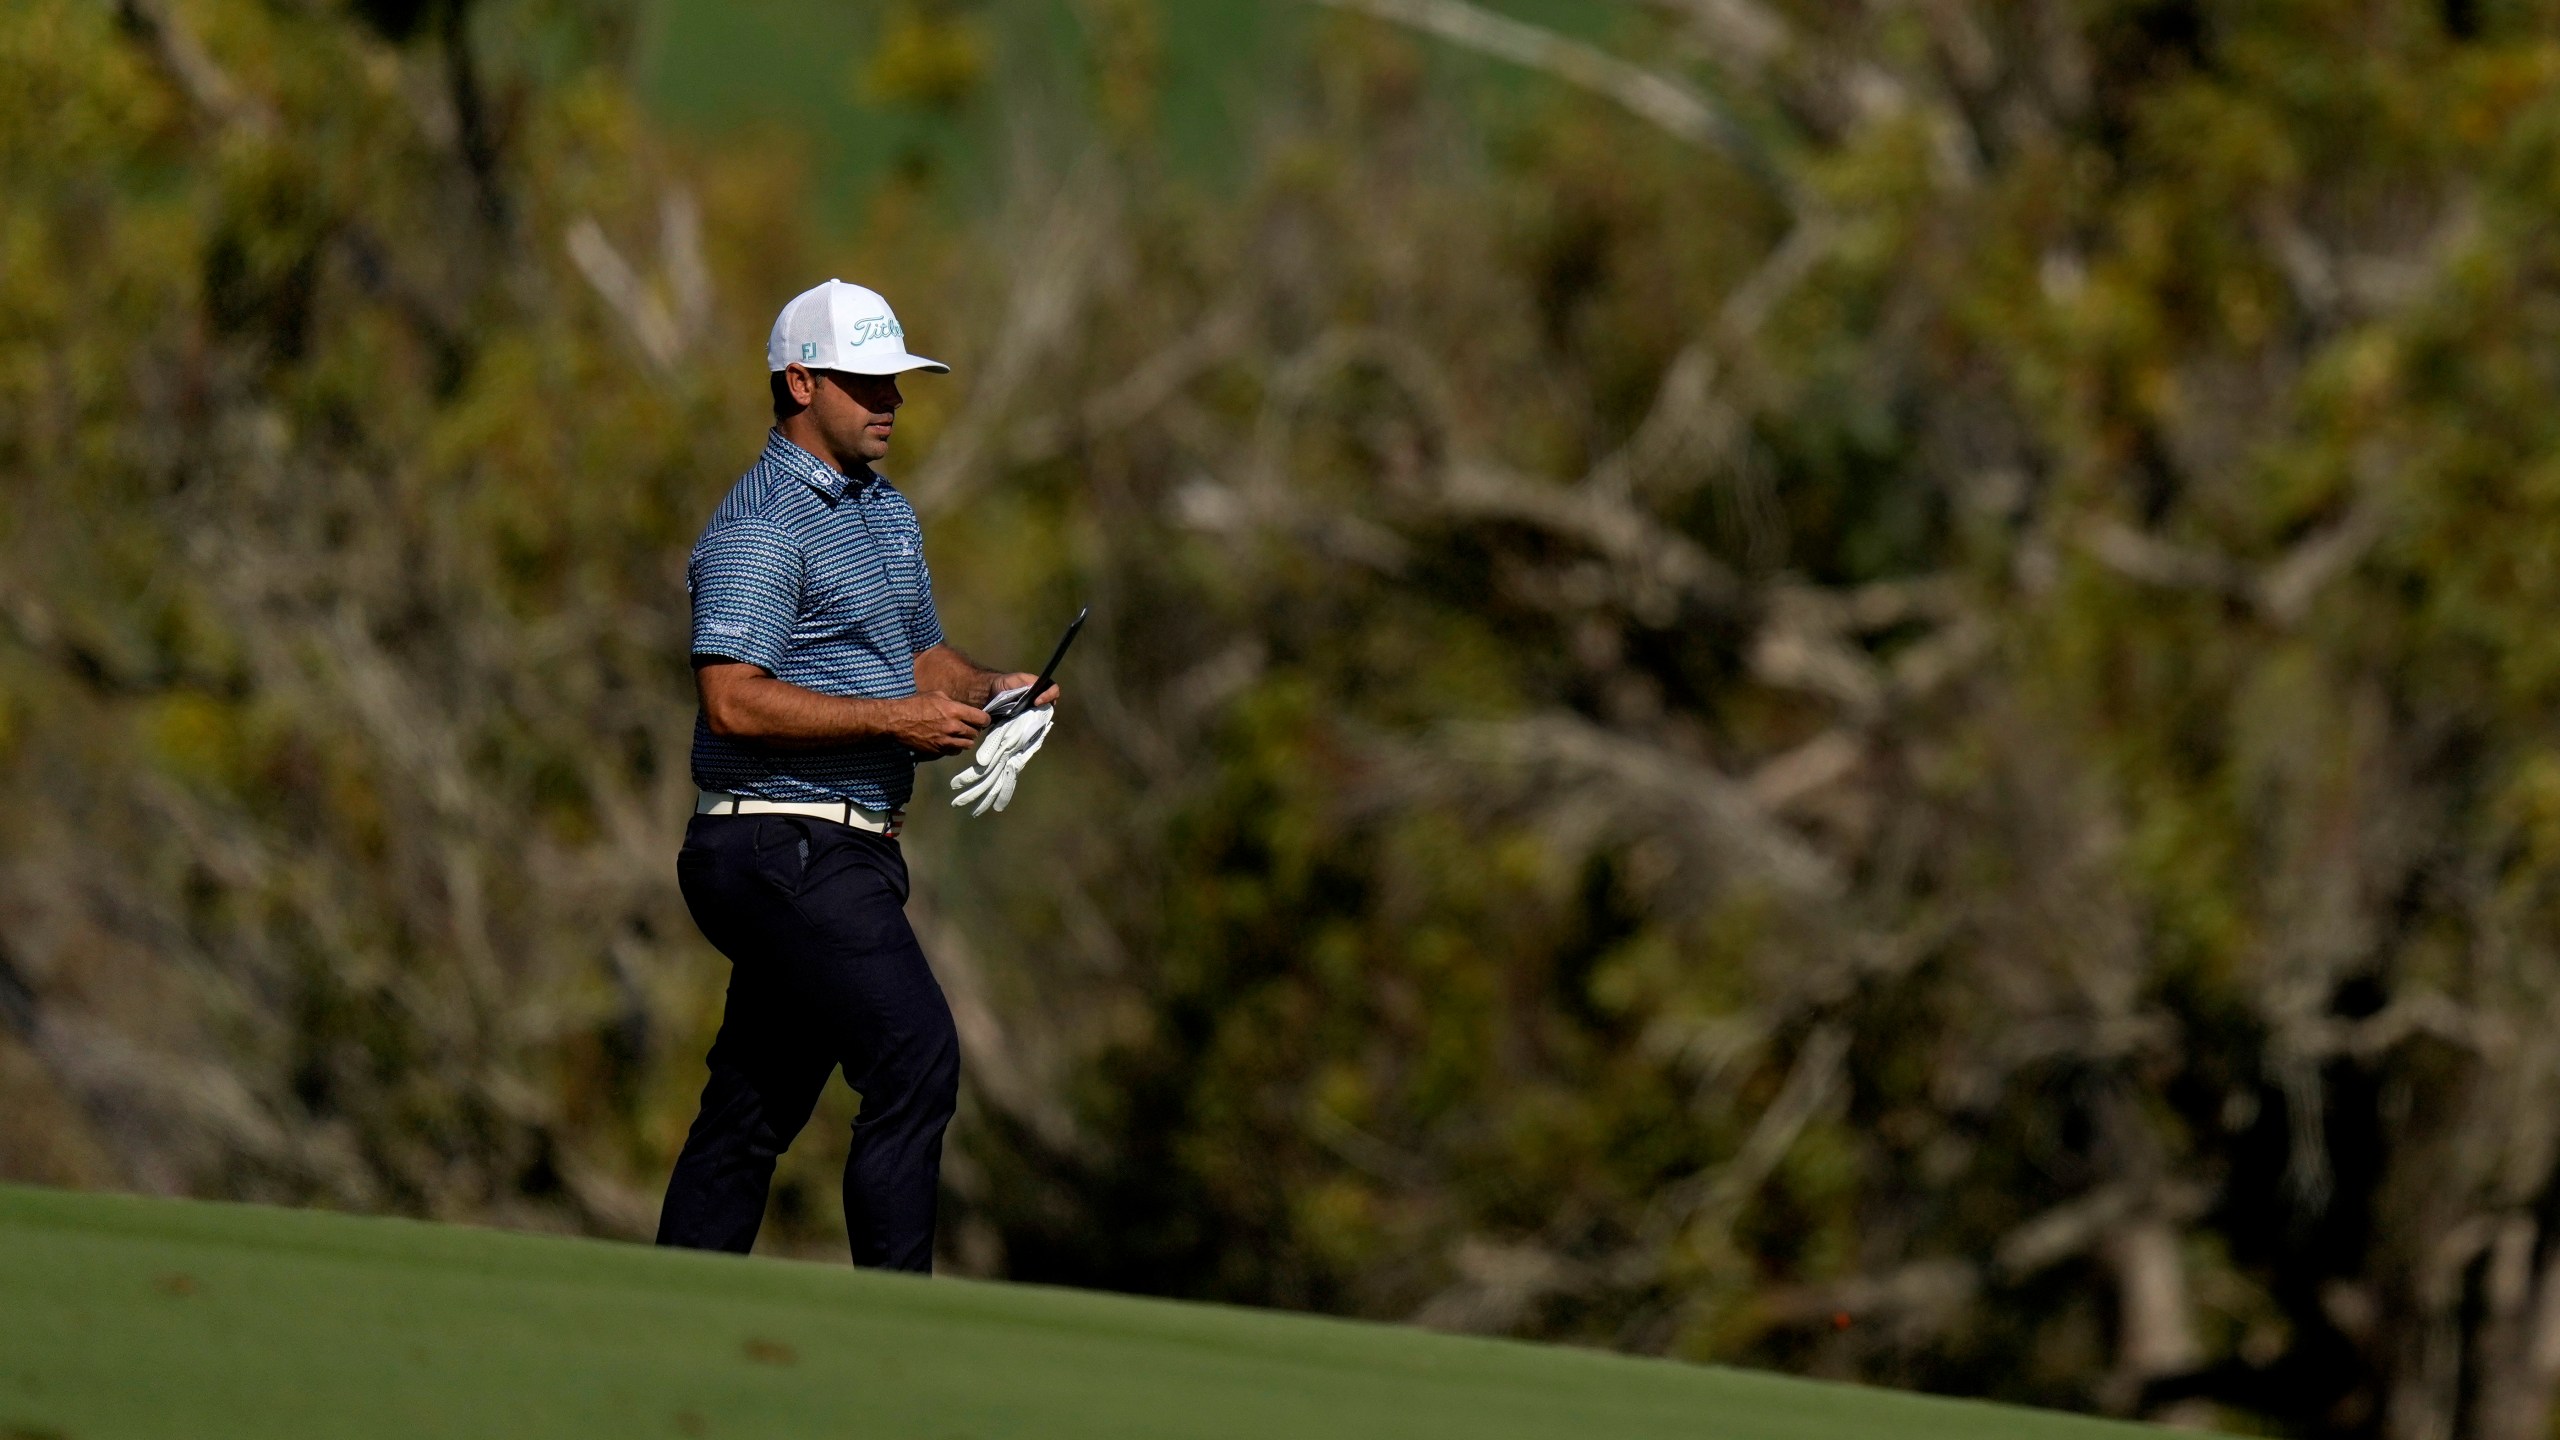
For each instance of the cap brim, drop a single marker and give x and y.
(897, 367)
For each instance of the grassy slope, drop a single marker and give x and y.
(128, 1317)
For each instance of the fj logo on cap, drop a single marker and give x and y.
(809, 351)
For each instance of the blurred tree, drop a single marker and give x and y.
(338, 592)
(1878, 717)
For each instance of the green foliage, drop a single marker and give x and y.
(928, 55)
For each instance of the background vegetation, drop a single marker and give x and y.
(1857, 687)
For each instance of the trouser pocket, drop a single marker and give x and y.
(783, 849)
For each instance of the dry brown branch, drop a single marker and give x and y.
(1145, 391)
(2155, 1313)
(1915, 1299)
(2154, 561)
(1740, 33)
(623, 292)
(1683, 1215)
(1809, 641)
(1665, 789)
(2064, 1231)
(2285, 589)
(173, 46)
(1498, 1286)
(1651, 96)
(1797, 657)
(1798, 774)
(1680, 438)
(1788, 264)
(2282, 591)
(1658, 567)
(680, 256)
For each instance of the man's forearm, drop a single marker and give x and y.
(777, 712)
(745, 702)
(956, 675)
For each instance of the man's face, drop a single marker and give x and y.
(853, 413)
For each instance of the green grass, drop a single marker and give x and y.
(130, 1317)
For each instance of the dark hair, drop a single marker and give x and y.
(784, 407)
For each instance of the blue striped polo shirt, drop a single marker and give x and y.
(820, 578)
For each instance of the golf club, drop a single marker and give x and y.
(1008, 709)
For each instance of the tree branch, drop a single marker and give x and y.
(175, 49)
(1649, 95)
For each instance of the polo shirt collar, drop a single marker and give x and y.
(822, 477)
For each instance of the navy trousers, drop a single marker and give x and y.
(824, 972)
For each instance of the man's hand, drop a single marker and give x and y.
(936, 724)
(952, 673)
(1021, 678)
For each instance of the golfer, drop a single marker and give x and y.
(824, 677)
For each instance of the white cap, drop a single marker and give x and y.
(842, 327)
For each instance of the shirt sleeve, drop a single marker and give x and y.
(746, 581)
(924, 624)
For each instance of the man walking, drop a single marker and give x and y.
(824, 677)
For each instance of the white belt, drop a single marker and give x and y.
(843, 812)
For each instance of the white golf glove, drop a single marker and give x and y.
(988, 782)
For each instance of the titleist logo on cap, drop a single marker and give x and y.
(837, 326)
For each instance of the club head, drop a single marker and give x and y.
(1001, 713)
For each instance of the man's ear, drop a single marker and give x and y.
(803, 384)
